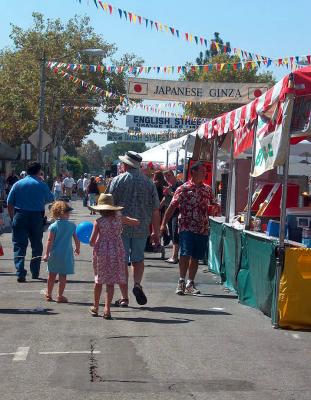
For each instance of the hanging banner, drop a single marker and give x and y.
(271, 146)
(243, 139)
(142, 137)
(212, 92)
(141, 121)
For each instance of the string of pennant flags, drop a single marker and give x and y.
(130, 104)
(291, 62)
(133, 18)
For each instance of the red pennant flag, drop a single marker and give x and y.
(201, 41)
(130, 16)
(193, 68)
(309, 59)
(110, 8)
(280, 61)
(172, 30)
(178, 69)
(206, 68)
(187, 35)
(139, 19)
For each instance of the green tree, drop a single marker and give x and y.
(74, 165)
(90, 154)
(211, 110)
(20, 80)
(112, 151)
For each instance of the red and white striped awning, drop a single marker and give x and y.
(232, 120)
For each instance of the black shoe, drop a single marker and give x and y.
(21, 280)
(35, 277)
(140, 295)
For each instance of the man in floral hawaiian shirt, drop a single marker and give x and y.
(193, 199)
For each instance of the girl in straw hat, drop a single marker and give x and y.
(108, 254)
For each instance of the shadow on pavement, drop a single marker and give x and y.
(218, 296)
(15, 311)
(79, 281)
(181, 310)
(77, 303)
(154, 320)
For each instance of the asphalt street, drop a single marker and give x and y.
(175, 347)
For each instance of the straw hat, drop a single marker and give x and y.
(105, 202)
(132, 159)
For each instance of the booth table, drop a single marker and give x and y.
(246, 264)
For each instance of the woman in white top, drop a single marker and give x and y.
(57, 188)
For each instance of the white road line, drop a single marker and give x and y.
(68, 352)
(216, 309)
(21, 354)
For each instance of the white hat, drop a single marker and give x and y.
(132, 159)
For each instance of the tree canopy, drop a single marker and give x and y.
(20, 80)
(211, 56)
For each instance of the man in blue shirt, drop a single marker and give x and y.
(26, 206)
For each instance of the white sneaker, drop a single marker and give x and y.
(191, 289)
(181, 288)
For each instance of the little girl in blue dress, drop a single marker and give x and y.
(59, 251)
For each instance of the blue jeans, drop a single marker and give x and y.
(193, 244)
(27, 225)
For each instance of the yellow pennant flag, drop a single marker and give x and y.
(222, 66)
(134, 18)
(166, 28)
(190, 37)
(160, 26)
(105, 5)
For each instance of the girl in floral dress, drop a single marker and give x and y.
(108, 254)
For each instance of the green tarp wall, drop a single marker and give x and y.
(215, 244)
(231, 256)
(256, 277)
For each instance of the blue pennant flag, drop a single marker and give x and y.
(120, 12)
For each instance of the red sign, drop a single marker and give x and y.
(243, 139)
(209, 170)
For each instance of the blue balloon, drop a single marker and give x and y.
(84, 231)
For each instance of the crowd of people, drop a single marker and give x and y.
(133, 209)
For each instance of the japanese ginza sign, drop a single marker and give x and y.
(212, 92)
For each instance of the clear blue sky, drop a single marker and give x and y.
(275, 28)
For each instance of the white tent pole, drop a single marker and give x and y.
(177, 156)
(251, 180)
(214, 170)
(186, 161)
(167, 155)
(281, 254)
(229, 187)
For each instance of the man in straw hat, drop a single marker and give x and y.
(138, 195)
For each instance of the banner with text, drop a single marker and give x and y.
(142, 137)
(140, 121)
(212, 92)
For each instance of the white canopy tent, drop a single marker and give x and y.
(159, 154)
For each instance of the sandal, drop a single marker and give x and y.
(139, 294)
(62, 299)
(107, 316)
(94, 311)
(122, 303)
(48, 297)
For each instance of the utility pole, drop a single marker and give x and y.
(59, 139)
(41, 106)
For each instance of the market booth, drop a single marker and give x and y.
(264, 254)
